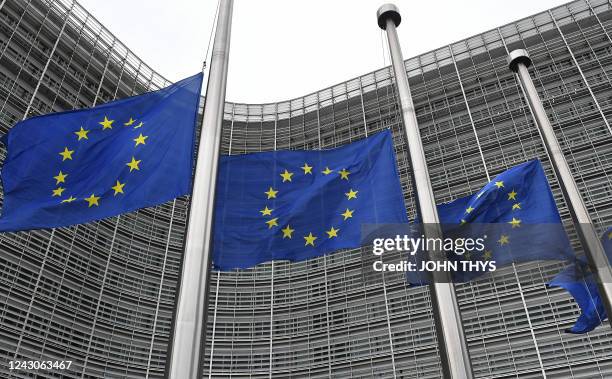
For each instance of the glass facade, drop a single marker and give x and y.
(103, 294)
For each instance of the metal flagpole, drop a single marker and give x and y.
(451, 339)
(519, 61)
(191, 310)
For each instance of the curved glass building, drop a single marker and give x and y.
(103, 294)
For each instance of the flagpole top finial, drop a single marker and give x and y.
(518, 56)
(386, 12)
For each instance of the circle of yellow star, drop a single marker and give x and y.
(133, 165)
(118, 188)
(69, 200)
(266, 211)
(327, 171)
(66, 154)
(516, 223)
(504, 239)
(106, 124)
(271, 193)
(499, 184)
(130, 122)
(58, 191)
(286, 176)
(351, 194)
(60, 178)
(516, 206)
(344, 174)
(332, 232)
(272, 223)
(140, 140)
(92, 200)
(347, 214)
(309, 239)
(82, 134)
(512, 195)
(307, 169)
(287, 232)
(469, 210)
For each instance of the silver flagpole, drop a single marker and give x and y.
(451, 339)
(519, 61)
(191, 309)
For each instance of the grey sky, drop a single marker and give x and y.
(283, 49)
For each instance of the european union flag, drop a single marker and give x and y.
(516, 212)
(580, 283)
(78, 166)
(296, 205)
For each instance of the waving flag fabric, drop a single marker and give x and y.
(580, 283)
(74, 167)
(296, 205)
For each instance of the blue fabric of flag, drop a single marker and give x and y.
(580, 283)
(297, 205)
(516, 212)
(78, 166)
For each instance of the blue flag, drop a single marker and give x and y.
(296, 205)
(516, 212)
(580, 283)
(78, 166)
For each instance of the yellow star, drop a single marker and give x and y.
(309, 239)
(272, 223)
(351, 194)
(58, 191)
(286, 176)
(332, 232)
(69, 200)
(463, 222)
(307, 169)
(347, 214)
(327, 171)
(133, 165)
(610, 236)
(487, 255)
(106, 124)
(499, 184)
(287, 232)
(516, 223)
(60, 178)
(469, 210)
(266, 211)
(271, 193)
(118, 187)
(139, 125)
(66, 154)
(140, 140)
(82, 134)
(512, 195)
(516, 206)
(344, 174)
(504, 239)
(92, 200)
(130, 122)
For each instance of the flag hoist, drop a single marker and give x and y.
(190, 317)
(451, 339)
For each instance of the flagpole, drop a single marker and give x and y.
(451, 339)
(519, 61)
(188, 339)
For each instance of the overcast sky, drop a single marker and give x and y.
(282, 49)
